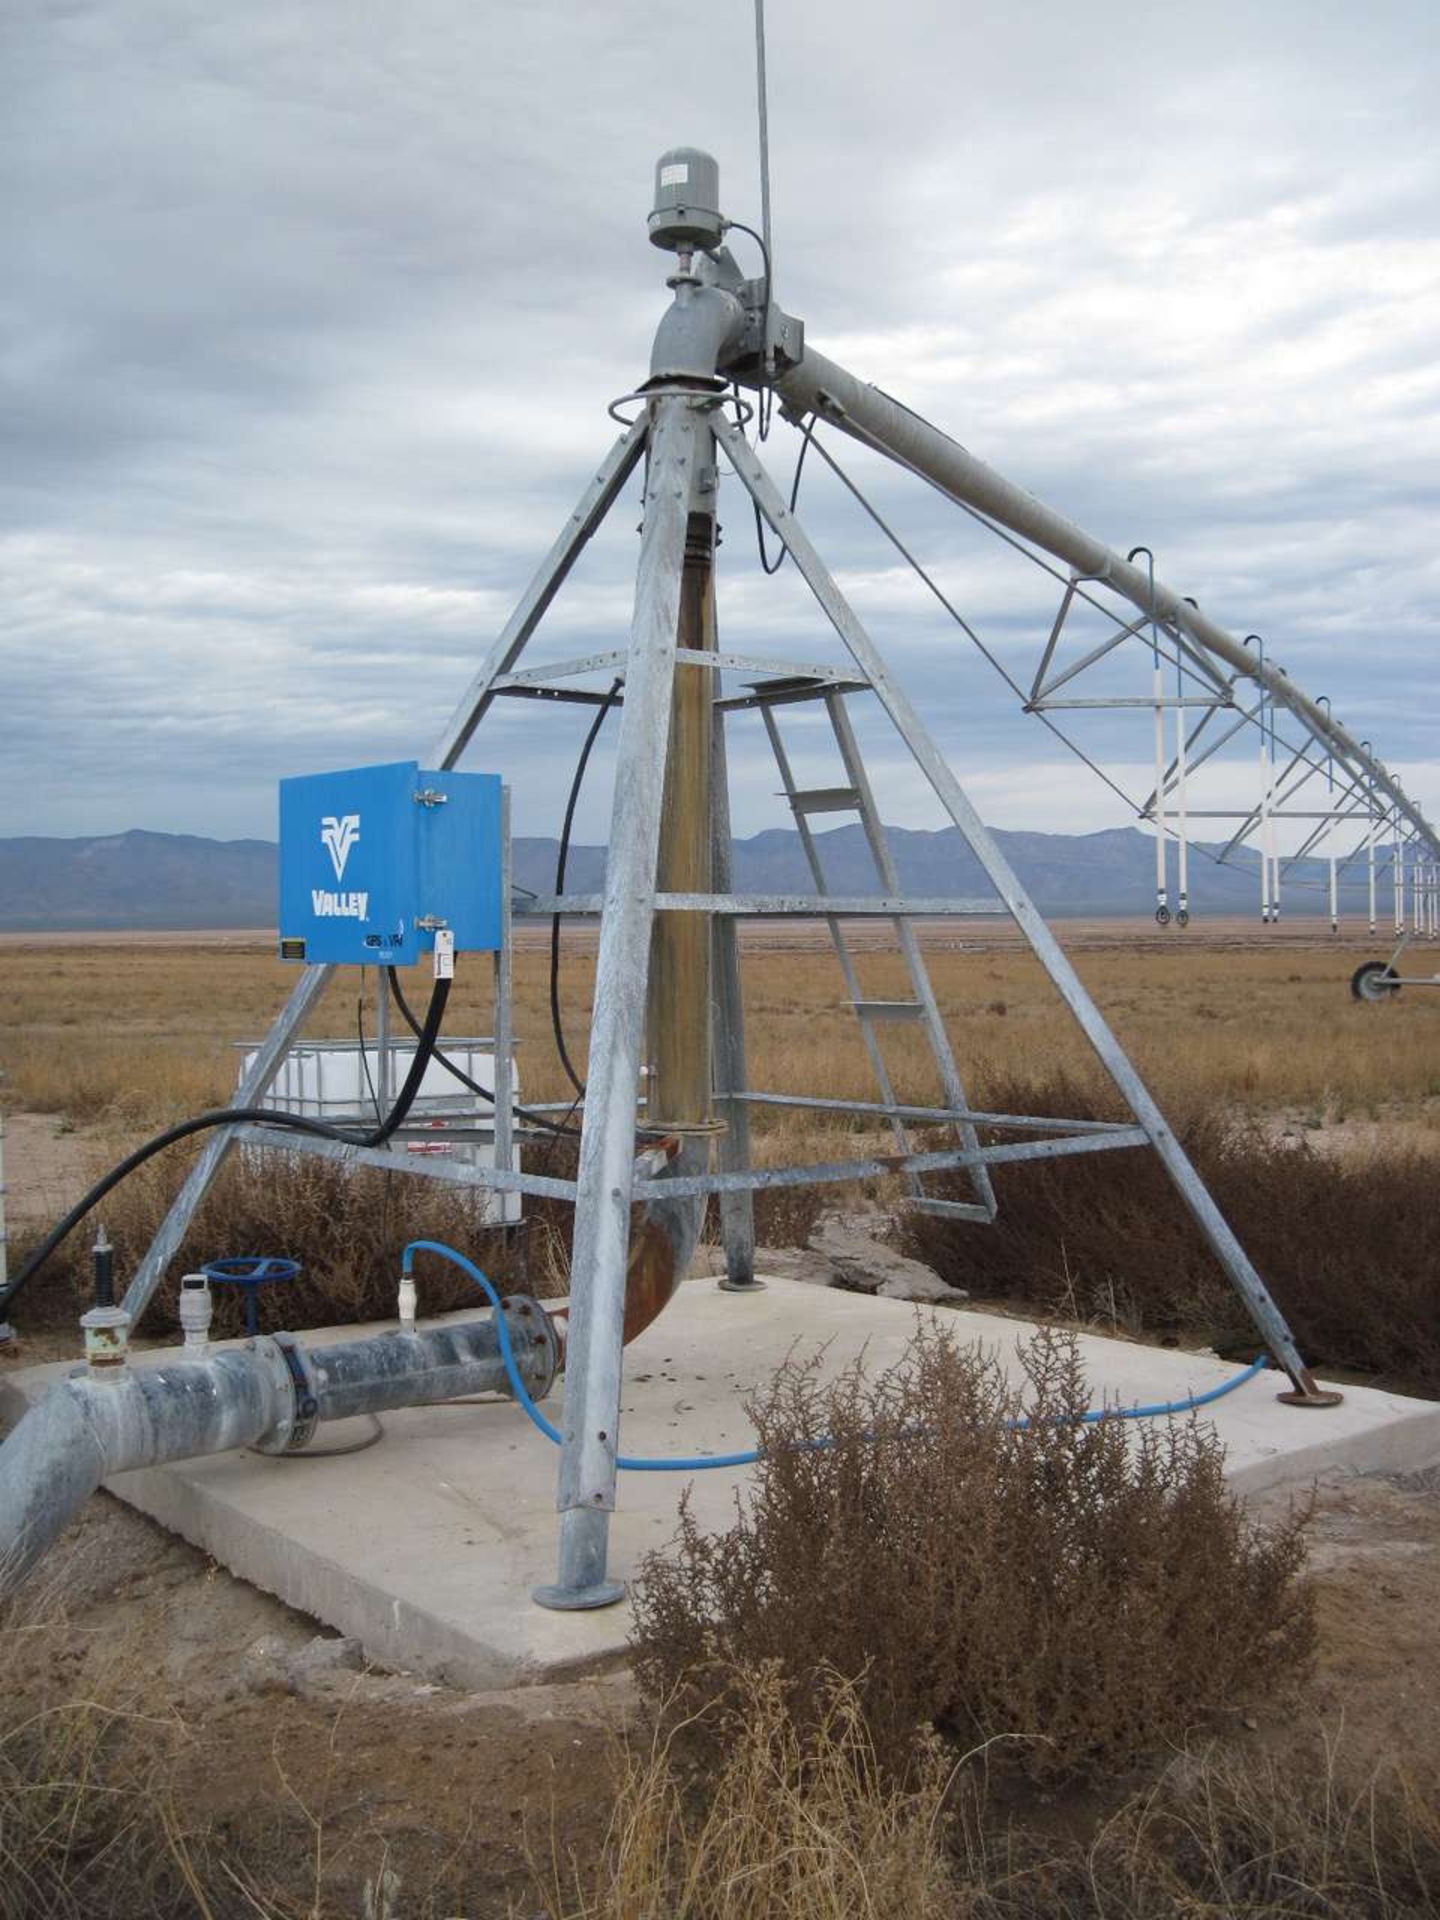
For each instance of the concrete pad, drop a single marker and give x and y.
(426, 1547)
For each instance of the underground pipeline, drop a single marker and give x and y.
(269, 1394)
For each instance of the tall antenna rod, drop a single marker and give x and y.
(760, 90)
(764, 115)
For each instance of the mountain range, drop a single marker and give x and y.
(176, 881)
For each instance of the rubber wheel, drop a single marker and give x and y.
(1374, 982)
(1162, 916)
(1182, 918)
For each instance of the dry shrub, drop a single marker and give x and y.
(1343, 1243)
(1088, 1592)
(345, 1226)
(1225, 1835)
(793, 1825)
(787, 1216)
(804, 1825)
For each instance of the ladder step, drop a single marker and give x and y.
(951, 1210)
(889, 1009)
(825, 800)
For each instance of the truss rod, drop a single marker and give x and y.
(875, 1167)
(1029, 1122)
(1107, 645)
(964, 625)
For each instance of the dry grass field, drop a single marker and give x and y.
(133, 1033)
(1315, 1119)
(165, 1749)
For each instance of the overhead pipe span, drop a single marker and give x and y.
(269, 1394)
(817, 385)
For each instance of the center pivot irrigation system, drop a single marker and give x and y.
(384, 863)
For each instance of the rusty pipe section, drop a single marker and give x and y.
(681, 1082)
(679, 1006)
(663, 1242)
(662, 1245)
(661, 1250)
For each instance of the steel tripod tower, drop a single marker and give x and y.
(668, 964)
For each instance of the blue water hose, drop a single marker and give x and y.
(631, 1463)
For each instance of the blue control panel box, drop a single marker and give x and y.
(375, 860)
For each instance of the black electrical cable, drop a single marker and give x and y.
(232, 1116)
(806, 431)
(765, 405)
(364, 1058)
(407, 1014)
(562, 861)
(372, 1439)
(766, 401)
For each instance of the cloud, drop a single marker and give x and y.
(312, 314)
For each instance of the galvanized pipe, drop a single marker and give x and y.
(430, 1365)
(89, 1427)
(96, 1424)
(819, 386)
(737, 1210)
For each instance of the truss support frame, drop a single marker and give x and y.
(819, 386)
(947, 789)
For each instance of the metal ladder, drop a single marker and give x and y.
(922, 1008)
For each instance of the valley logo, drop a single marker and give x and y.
(338, 835)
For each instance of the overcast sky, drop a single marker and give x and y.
(310, 314)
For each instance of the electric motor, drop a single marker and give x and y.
(687, 201)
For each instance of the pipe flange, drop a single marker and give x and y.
(534, 1341)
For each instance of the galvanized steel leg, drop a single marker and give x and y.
(595, 1342)
(1213, 1224)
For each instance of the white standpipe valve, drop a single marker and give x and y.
(406, 1303)
(196, 1310)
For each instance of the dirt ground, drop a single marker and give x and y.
(47, 1161)
(295, 1752)
(305, 1761)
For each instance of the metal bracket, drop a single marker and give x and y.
(289, 1365)
(1308, 1394)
